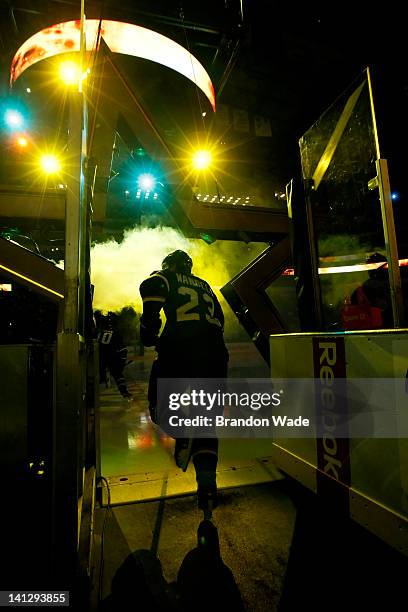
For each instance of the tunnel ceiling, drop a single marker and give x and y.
(292, 61)
(285, 61)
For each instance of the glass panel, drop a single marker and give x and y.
(338, 155)
(282, 293)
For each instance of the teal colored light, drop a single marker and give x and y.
(13, 119)
(146, 182)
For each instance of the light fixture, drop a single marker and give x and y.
(50, 164)
(202, 159)
(69, 72)
(13, 119)
(146, 182)
(22, 142)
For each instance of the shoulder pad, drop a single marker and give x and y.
(155, 286)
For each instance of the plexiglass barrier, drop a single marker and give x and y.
(338, 155)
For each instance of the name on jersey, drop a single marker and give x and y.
(191, 281)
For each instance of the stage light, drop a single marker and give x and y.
(22, 142)
(394, 196)
(202, 159)
(13, 119)
(50, 164)
(69, 72)
(146, 182)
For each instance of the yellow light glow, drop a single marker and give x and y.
(202, 159)
(69, 72)
(50, 164)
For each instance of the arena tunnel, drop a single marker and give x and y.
(108, 516)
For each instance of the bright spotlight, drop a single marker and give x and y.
(22, 142)
(13, 119)
(202, 160)
(147, 182)
(69, 72)
(50, 164)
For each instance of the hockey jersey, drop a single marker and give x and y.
(192, 309)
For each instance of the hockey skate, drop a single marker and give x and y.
(207, 497)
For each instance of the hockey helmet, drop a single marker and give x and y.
(179, 260)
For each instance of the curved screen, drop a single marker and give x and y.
(125, 38)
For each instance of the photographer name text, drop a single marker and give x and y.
(250, 421)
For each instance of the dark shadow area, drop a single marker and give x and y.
(204, 582)
(138, 583)
(336, 564)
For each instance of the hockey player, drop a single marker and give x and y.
(191, 345)
(112, 351)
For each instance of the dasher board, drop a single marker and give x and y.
(367, 477)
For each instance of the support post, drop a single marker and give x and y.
(68, 451)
